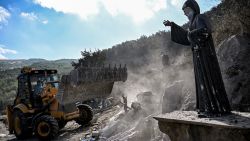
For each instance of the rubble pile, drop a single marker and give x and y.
(3, 127)
(73, 131)
(137, 124)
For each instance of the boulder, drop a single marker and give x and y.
(179, 96)
(234, 60)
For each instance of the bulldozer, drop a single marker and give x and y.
(43, 104)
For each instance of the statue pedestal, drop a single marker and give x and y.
(186, 126)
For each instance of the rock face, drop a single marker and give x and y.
(178, 96)
(185, 126)
(228, 18)
(234, 58)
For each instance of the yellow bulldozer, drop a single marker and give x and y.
(43, 104)
(36, 109)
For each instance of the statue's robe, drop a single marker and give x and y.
(210, 91)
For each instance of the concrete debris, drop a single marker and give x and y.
(93, 136)
(135, 125)
(100, 104)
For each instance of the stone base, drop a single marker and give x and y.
(186, 126)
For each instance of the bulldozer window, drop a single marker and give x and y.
(39, 80)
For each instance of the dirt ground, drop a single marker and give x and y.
(72, 131)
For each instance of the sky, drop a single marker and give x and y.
(60, 29)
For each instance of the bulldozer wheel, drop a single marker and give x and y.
(86, 114)
(61, 123)
(21, 129)
(46, 127)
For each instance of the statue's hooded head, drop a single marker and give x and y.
(191, 9)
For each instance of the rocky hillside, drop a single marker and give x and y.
(11, 64)
(229, 18)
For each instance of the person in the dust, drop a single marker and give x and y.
(125, 103)
(210, 91)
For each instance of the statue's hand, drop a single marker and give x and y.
(167, 23)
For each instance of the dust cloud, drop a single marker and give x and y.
(164, 84)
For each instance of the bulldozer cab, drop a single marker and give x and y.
(31, 85)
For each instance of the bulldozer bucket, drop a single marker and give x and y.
(86, 83)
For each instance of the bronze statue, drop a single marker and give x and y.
(210, 91)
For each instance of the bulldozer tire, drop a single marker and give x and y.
(46, 127)
(86, 114)
(61, 123)
(21, 129)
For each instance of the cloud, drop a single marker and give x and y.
(177, 3)
(82, 8)
(139, 10)
(4, 50)
(45, 21)
(4, 15)
(30, 16)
